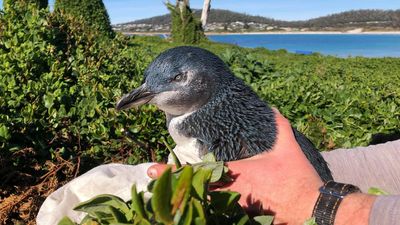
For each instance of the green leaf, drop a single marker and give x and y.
(263, 220)
(120, 224)
(161, 199)
(209, 157)
(310, 221)
(143, 222)
(178, 163)
(200, 221)
(105, 214)
(119, 216)
(200, 182)
(88, 220)
(217, 169)
(243, 220)
(224, 200)
(66, 221)
(100, 203)
(48, 101)
(182, 190)
(377, 191)
(150, 186)
(137, 204)
(187, 217)
(4, 133)
(198, 208)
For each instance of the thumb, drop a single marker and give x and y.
(156, 170)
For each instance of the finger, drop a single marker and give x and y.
(280, 119)
(285, 137)
(282, 123)
(276, 110)
(156, 170)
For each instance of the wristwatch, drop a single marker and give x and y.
(330, 197)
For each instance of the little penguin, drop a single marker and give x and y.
(208, 109)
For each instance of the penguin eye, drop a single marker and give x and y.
(178, 77)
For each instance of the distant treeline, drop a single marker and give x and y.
(358, 18)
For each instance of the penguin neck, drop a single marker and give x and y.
(187, 149)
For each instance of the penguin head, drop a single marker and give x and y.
(179, 81)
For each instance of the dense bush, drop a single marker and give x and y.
(92, 12)
(40, 3)
(336, 102)
(185, 28)
(60, 79)
(59, 83)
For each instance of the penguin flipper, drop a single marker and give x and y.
(313, 155)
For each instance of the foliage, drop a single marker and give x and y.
(377, 191)
(185, 28)
(180, 197)
(40, 3)
(310, 221)
(58, 87)
(336, 102)
(92, 12)
(60, 79)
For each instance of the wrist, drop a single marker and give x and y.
(355, 209)
(299, 206)
(331, 197)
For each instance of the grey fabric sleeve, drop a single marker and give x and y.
(385, 211)
(372, 166)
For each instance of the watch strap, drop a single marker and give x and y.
(329, 199)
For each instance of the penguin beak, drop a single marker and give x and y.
(137, 97)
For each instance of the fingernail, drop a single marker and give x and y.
(275, 110)
(152, 172)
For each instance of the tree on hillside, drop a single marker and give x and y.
(40, 3)
(93, 12)
(185, 27)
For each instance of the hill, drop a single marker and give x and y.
(361, 18)
(215, 16)
(228, 21)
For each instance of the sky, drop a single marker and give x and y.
(129, 10)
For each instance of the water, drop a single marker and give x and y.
(342, 45)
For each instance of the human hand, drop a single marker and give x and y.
(280, 182)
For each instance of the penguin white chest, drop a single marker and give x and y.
(187, 149)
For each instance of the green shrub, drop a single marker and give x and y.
(60, 79)
(92, 12)
(40, 3)
(59, 84)
(185, 28)
(180, 197)
(336, 102)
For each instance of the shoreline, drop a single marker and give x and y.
(275, 32)
(306, 32)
